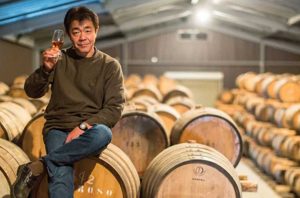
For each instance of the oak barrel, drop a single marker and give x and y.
(291, 115)
(150, 79)
(11, 158)
(265, 111)
(111, 174)
(141, 135)
(178, 90)
(5, 98)
(167, 114)
(230, 109)
(17, 88)
(226, 96)
(165, 84)
(211, 127)
(181, 104)
(31, 140)
(190, 170)
(279, 114)
(133, 80)
(242, 80)
(143, 103)
(287, 90)
(292, 178)
(13, 119)
(148, 90)
(260, 83)
(263, 91)
(26, 104)
(4, 88)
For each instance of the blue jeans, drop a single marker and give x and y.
(60, 158)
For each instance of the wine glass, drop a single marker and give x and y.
(58, 40)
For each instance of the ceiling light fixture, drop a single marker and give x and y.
(203, 16)
(216, 1)
(154, 59)
(194, 2)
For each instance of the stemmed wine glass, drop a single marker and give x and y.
(58, 40)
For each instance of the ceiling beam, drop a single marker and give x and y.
(294, 20)
(152, 20)
(161, 29)
(53, 18)
(146, 8)
(255, 38)
(290, 4)
(133, 36)
(221, 16)
(217, 27)
(265, 6)
(24, 40)
(265, 22)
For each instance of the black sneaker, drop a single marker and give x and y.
(24, 183)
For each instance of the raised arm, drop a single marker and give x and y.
(37, 84)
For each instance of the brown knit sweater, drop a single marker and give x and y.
(83, 89)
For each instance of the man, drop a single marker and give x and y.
(87, 100)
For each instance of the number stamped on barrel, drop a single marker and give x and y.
(88, 186)
(198, 172)
(133, 144)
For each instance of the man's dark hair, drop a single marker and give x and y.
(80, 13)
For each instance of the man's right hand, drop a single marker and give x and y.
(50, 58)
(76, 132)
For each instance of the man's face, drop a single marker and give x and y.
(83, 35)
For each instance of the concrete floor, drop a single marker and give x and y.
(246, 167)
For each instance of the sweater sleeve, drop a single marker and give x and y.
(114, 97)
(37, 84)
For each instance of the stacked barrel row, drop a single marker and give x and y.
(16, 109)
(267, 107)
(282, 87)
(192, 123)
(159, 113)
(164, 96)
